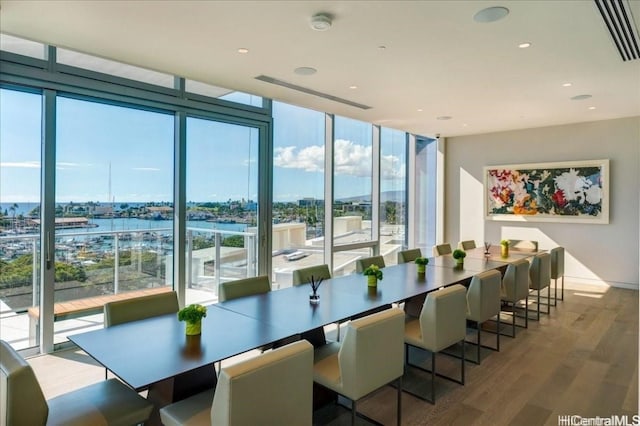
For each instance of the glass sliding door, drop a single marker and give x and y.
(298, 191)
(114, 207)
(393, 193)
(20, 162)
(222, 207)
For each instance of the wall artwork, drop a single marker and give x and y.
(573, 191)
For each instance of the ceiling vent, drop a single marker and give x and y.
(619, 20)
(292, 86)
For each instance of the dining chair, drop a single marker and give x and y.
(138, 308)
(540, 278)
(369, 357)
(515, 288)
(557, 271)
(274, 388)
(442, 249)
(303, 275)
(406, 256)
(108, 402)
(442, 323)
(365, 262)
(467, 245)
(523, 245)
(483, 303)
(245, 287)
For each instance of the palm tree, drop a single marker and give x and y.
(13, 209)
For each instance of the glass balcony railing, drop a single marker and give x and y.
(94, 265)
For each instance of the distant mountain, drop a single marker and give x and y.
(384, 197)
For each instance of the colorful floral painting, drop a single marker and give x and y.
(571, 191)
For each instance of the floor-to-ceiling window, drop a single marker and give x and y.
(114, 202)
(222, 205)
(425, 184)
(298, 191)
(20, 165)
(393, 192)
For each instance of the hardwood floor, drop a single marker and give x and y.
(581, 360)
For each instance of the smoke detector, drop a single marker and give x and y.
(321, 22)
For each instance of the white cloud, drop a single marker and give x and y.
(349, 159)
(21, 164)
(146, 169)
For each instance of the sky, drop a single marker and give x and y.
(110, 153)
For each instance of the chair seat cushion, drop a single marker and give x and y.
(195, 410)
(105, 403)
(326, 366)
(413, 333)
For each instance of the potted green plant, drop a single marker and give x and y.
(459, 256)
(504, 248)
(193, 315)
(422, 264)
(373, 273)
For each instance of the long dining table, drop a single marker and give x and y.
(155, 353)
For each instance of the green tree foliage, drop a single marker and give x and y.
(233, 241)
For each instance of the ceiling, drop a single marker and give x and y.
(436, 61)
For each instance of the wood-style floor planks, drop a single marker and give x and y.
(581, 360)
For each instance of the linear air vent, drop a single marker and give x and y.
(620, 22)
(272, 80)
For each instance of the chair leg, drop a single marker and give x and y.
(498, 334)
(353, 413)
(462, 365)
(562, 291)
(479, 344)
(526, 311)
(399, 415)
(433, 377)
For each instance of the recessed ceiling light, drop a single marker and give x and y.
(491, 14)
(353, 87)
(580, 97)
(321, 22)
(243, 50)
(566, 85)
(420, 109)
(381, 47)
(464, 124)
(305, 71)
(592, 107)
(444, 117)
(524, 45)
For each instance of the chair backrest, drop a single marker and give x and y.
(515, 283)
(442, 249)
(523, 245)
(467, 245)
(139, 308)
(372, 352)
(406, 256)
(303, 276)
(244, 287)
(540, 271)
(443, 317)
(557, 262)
(483, 296)
(21, 399)
(274, 388)
(365, 262)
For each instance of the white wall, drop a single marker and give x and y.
(595, 253)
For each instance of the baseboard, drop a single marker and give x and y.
(598, 282)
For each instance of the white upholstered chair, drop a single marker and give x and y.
(138, 308)
(365, 262)
(441, 249)
(557, 271)
(540, 278)
(483, 303)
(274, 388)
(442, 323)
(22, 402)
(369, 357)
(245, 287)
(406, 256)
(515, 288)
(467, 245)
